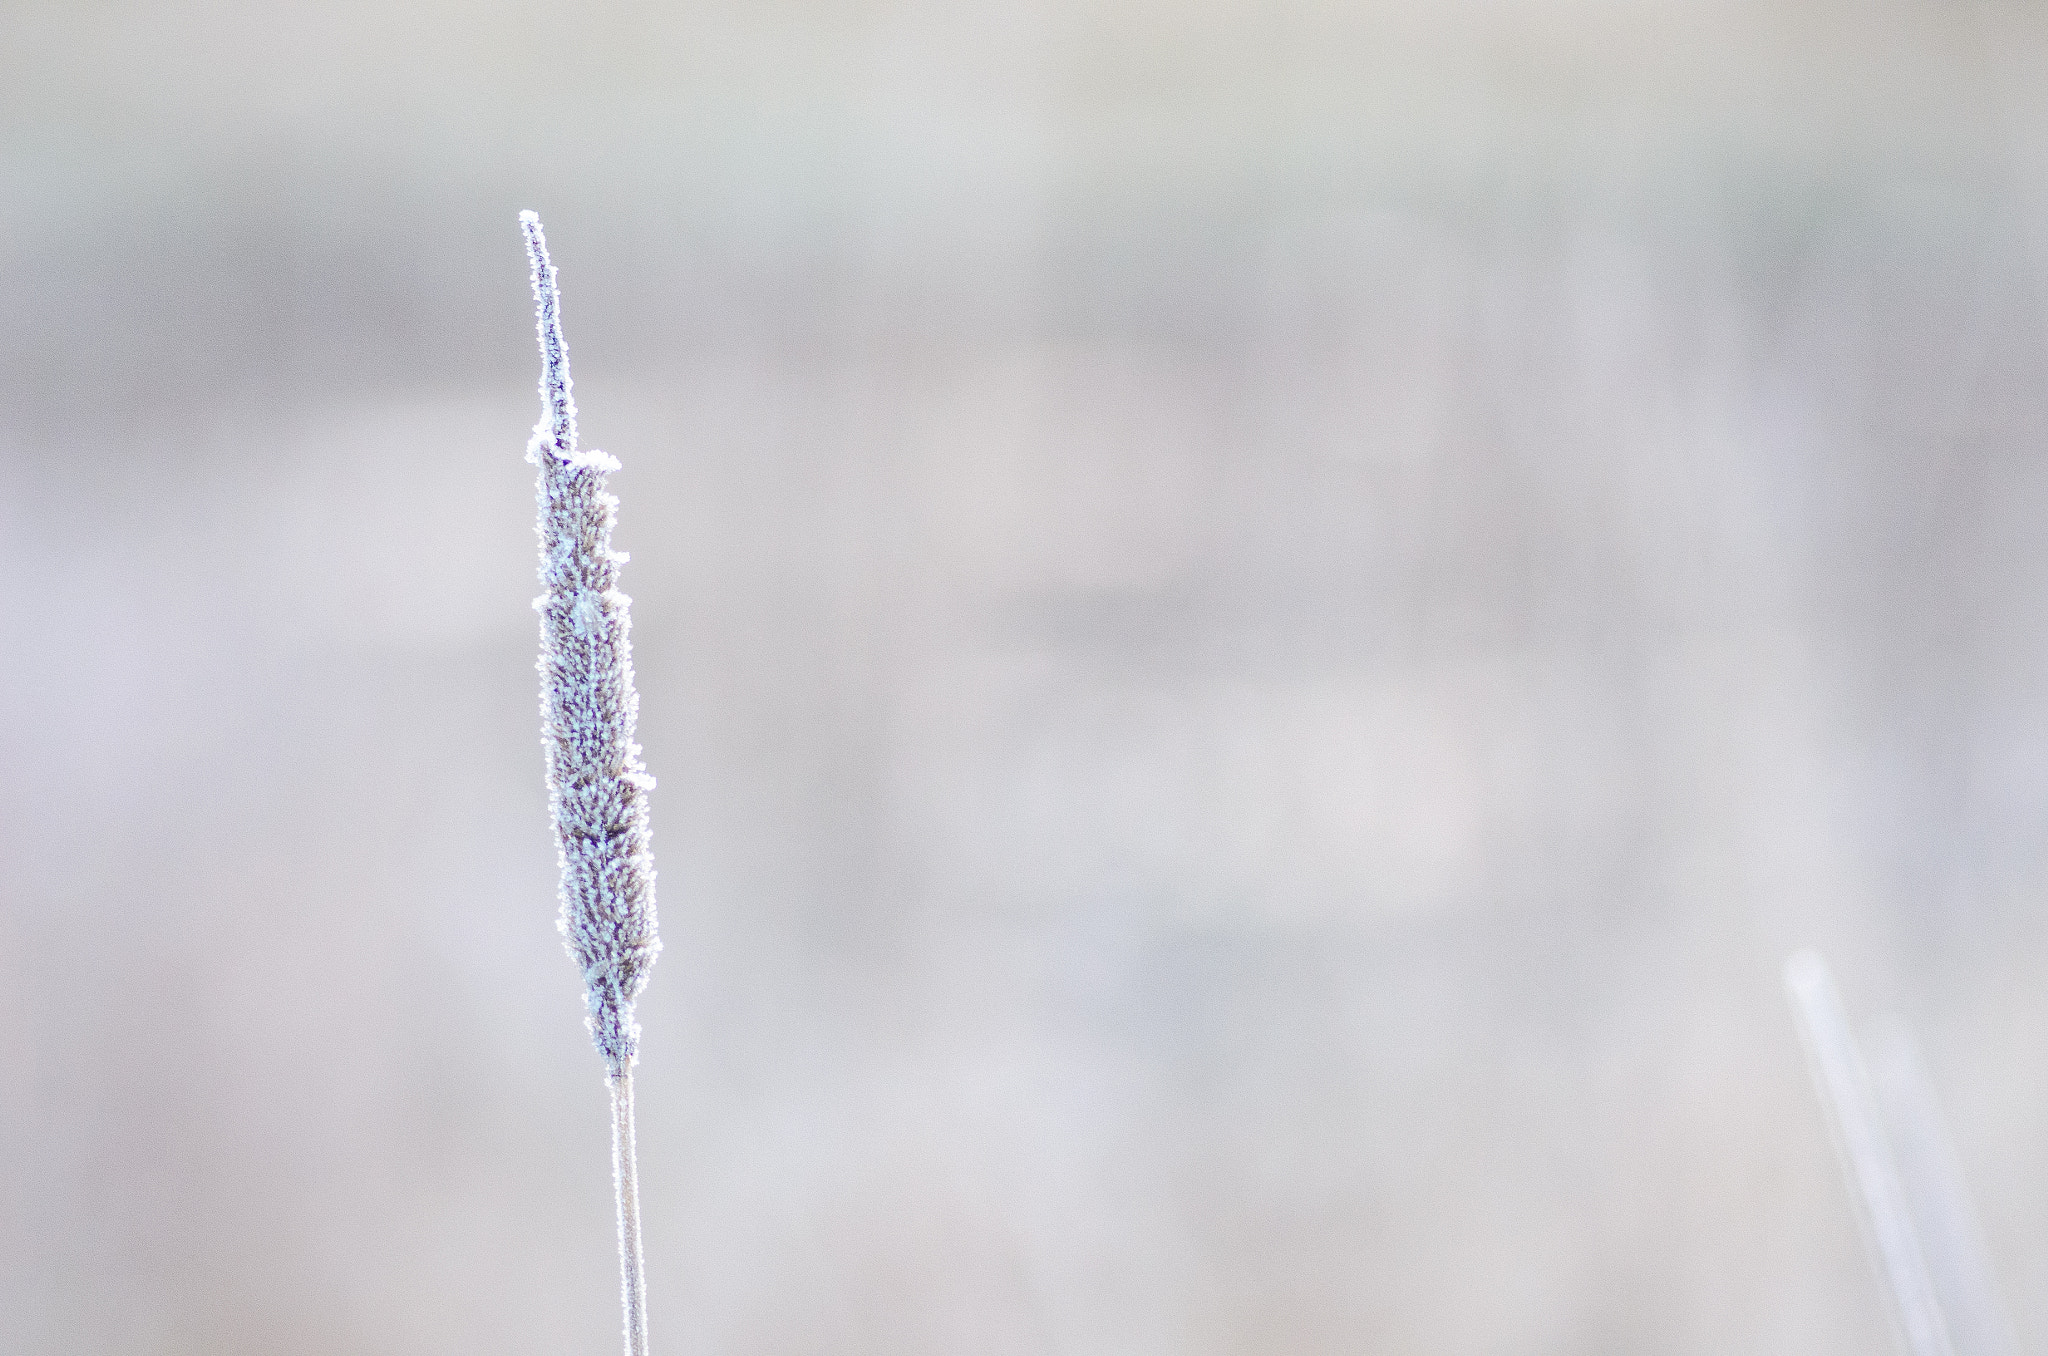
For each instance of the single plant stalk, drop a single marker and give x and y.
(1932, 1176)
(626, 1184)
(1844, 1087)
(597, 786)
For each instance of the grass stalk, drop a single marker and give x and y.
(626, 1185)
(1844, 1086)
(1951, 1239)
(597, 786)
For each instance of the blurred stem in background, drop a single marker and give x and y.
(1903, 1175)
(1952, 1244)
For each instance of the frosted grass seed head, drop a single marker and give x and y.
(597, 785)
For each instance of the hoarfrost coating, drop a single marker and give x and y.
(597, 786)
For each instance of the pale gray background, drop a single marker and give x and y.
(1260, 624)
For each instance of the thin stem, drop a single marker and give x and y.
(1950, 1240)
(1844, 1086)
(626, 1180)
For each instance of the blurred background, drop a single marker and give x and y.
(1260, 624)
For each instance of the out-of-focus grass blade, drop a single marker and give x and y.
(1859, 1131)
(1951, 1242)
